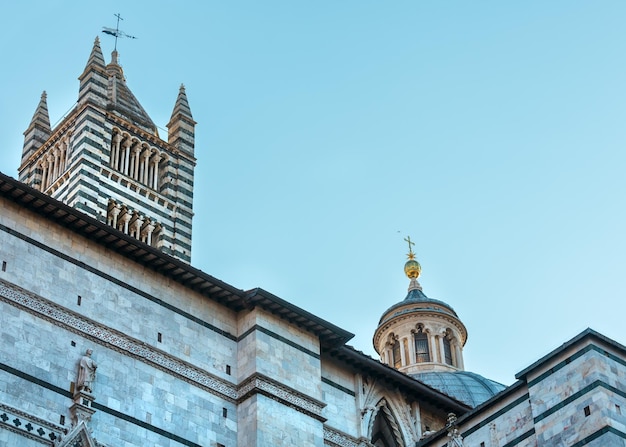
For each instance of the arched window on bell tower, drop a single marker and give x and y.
(422, 351)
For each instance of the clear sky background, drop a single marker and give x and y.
(491, 132)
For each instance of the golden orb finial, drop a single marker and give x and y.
(412, 268)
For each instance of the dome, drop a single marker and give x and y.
(470, 388)
(419, 298)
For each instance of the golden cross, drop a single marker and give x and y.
(408, 239)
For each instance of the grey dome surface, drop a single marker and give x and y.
(416, 296)
(468, 387)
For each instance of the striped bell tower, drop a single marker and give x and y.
(106, 159)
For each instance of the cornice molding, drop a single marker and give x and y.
(259, 383)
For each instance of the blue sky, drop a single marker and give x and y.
(490, 132)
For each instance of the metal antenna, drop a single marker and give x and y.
(116, 32)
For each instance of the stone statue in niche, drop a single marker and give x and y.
(86, 373)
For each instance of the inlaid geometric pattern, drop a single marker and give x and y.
(32, 427)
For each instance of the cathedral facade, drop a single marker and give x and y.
(111, 338)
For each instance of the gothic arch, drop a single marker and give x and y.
(384, 430)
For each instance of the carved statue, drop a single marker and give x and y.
(86, 372)
(455, 439)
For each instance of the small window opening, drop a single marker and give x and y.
(395, 351)
(79, 300)
(62, 420)
(587, 410)
(422, 352)
(73, 343)
(4, 266)
(160, 337)
(447, 351)
(228, 369)
(618, 409)
(224, 412)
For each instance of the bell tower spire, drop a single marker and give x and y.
(93, 80)
(181, 126)
(38, 130)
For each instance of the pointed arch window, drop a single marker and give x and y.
(422, 351)
(385, 430)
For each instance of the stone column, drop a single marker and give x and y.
(135, 163)
(137, 226)
(459, 356)
(149, 229)
(115, 151)
(50, 169)
(442, 351)
(146, 165)
(54, 153)
(403, 359)
(155, 182)
(127, 146)
(44, 174)
(61, 159)
(125, 219)
(115, 212)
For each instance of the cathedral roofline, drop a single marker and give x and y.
(588, 335)
(154, 259)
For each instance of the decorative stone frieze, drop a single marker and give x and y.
(336, 438)
(115, 340)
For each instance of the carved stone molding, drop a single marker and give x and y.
(261, 384)
(30, 426)
(115, 340)
(336, 438)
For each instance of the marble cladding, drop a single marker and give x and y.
(338, 393)
(575, 398)
(261, 379)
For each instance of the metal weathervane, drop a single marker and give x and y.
(116, 32)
